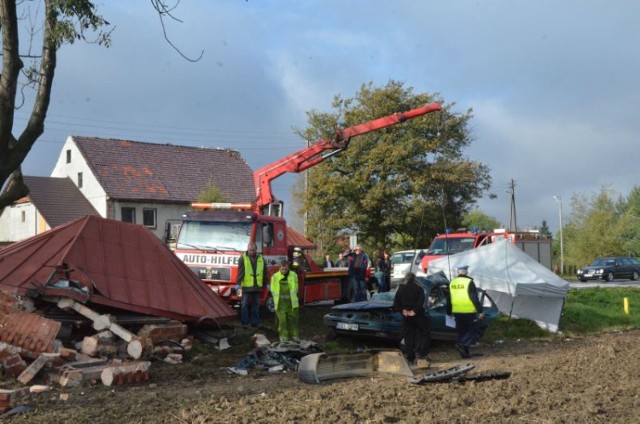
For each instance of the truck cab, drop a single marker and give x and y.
(211, 243)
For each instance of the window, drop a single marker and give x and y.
(69, 156)
(79, 179)
(128, 214)
(149, 217)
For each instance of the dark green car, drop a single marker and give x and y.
(375, 318)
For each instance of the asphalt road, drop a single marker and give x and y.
(599, 283)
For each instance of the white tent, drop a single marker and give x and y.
(519, 285)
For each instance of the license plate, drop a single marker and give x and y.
(347, 326)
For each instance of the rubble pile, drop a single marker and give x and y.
(32, 349)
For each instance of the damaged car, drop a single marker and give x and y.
(375, 318)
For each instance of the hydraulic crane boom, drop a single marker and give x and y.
(311, 155)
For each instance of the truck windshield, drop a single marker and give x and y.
(214, 236)
(443, 246)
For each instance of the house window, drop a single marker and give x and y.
(149, 217)
(79, 179)
(128, 214)
(69, 156)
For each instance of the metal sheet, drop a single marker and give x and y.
(118, 264)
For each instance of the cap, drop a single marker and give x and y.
(463, 268)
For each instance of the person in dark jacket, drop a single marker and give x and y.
(252, 276)
(410, 300)
(463, 303)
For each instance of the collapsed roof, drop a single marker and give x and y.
(111, 263)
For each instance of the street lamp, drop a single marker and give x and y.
(558, 199)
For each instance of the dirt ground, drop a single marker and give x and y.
(594, 379)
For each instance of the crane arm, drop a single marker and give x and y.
(311, 155)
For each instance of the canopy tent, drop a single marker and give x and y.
(519, 285)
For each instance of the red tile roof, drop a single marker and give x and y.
(58, 199)
(135, 171)
(116, 264)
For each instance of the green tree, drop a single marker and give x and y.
(598, 227)
(478, 219)
(406, 182)
(544, 230)
(62, 22)
(211, 194)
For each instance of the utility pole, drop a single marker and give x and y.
(513, 225)
(558, 199)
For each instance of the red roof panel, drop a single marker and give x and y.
(118, 264)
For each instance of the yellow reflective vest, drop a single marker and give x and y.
(250, 273)
(460, 301)
(292, 279)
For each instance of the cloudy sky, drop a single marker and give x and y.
(554, 85)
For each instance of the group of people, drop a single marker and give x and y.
(463, 303)
(283, 285)
(357, 262)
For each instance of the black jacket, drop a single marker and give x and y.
(409, 296)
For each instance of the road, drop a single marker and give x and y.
(594, 283)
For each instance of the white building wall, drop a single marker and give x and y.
(164, 213)
(18, 222)
(90, 189)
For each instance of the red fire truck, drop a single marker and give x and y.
(461, 240)
(213, 237)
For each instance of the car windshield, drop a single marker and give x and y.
(441, 246)
(384, 297)
(603, 262)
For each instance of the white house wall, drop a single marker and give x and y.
(91, 189)
(164, 213)
(19, 222)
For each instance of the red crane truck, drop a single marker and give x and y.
(213, 237)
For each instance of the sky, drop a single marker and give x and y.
(554, 85)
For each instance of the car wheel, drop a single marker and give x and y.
(610, 277)
(634, 277)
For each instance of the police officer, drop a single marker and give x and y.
(464, 305)
(284, 289)
(252, 275)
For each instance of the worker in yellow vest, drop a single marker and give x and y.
(284, 289)
(252, 276)
(464, 305)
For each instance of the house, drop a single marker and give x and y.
(138, 182)
(51, 202)
(150, 184)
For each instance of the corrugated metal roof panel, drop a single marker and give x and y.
(121, 265)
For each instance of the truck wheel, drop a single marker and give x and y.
(269, 307)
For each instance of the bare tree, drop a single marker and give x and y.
(51, 23)
(59, 22)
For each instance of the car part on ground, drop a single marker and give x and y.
(318, 367)
(458, 374)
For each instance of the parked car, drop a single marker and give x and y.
(375, 318)
(400, 264)
(610, 268)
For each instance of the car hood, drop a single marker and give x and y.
(363, 306)
(592, 268)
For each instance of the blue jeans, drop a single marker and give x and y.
(254, 298)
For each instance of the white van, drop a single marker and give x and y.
(400, 264)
